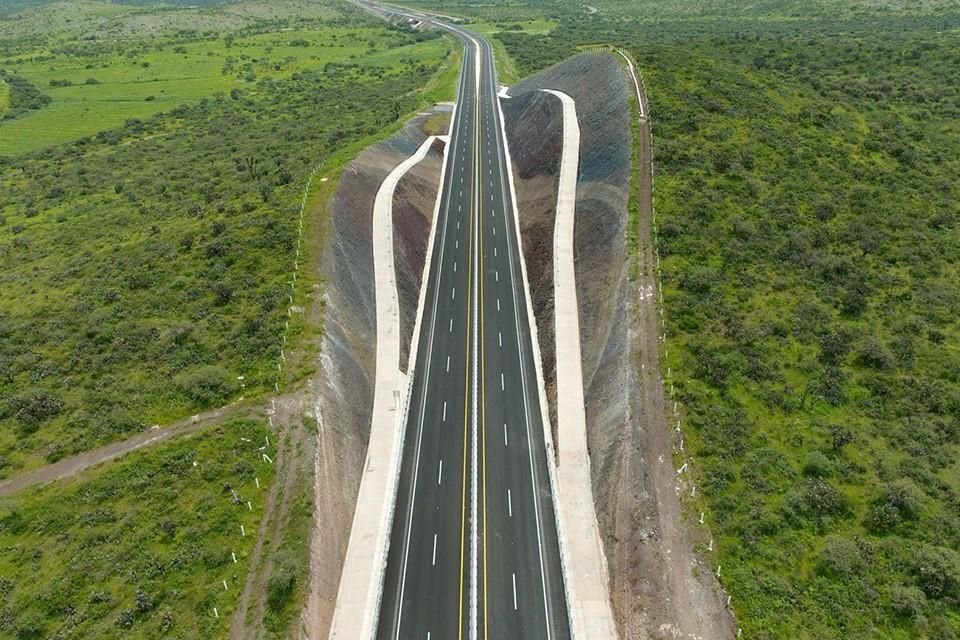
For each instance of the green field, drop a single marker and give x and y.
(109, 556)
(4, 98)
(108, 85)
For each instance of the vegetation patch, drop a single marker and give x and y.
(811, 260)
(145, 270)
(106, 556)
(18, 96)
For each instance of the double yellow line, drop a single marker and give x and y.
(477, 192)
(466, 377)
(483, 382)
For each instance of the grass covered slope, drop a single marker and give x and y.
(808, 214)
(110, 557)
(809, 228)
(144, 270)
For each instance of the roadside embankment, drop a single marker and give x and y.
(659, 587)
(345, 384)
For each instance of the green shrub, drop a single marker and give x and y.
(207, 386)
(283, 581)
(937, 570)
(872, 353)
(33, 407)
(907, 601)
(840, 557)
(817, 465)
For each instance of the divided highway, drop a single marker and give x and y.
(473, 549)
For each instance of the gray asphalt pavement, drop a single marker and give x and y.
(473, 549)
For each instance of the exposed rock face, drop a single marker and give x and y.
(534, 126)
(348, 354)
(349, 330)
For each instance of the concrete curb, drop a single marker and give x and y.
(591, 614)
(361, 580)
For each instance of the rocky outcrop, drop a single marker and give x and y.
(413, 207)
(534, 127)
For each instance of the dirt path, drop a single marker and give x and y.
(295, 445)
(154, 435)
(670, 591)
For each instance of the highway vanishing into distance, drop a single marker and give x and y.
(474, 550)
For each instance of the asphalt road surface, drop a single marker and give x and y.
(473, 549)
